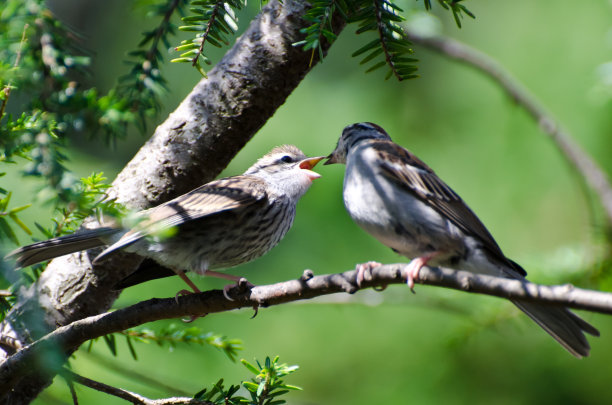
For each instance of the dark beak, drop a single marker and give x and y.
(331, 159)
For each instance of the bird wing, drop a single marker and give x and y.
(228, 194)
(411, 173)
(222, 195)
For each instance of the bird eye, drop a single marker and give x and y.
(286, 159)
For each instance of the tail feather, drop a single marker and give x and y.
(129, 239)
(566, 327)
(63, 245)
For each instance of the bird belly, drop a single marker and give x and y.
(399, 220)
(209, 243)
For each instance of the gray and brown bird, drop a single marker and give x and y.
(399, 200)
(219, 225)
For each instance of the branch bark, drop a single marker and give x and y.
(190, 148)
(588, 170)
(308, 286)
(127, 395)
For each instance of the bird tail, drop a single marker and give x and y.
(566, 327)
(63, 245)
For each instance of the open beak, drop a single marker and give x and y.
(308, 163)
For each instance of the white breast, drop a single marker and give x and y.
(390, 212)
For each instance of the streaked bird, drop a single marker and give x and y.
(399, 200)
(219, 225)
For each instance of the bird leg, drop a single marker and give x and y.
(364, 268)
(412, 272)
(238, 282)
(195, 289)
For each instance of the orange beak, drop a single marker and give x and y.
(308, 163)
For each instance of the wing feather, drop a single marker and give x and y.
(407, 170)
(228, 194)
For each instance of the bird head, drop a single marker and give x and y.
(287, 169)
(351, 136)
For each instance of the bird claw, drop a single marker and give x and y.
(412, 271)
(363, 269)
(256, 309)
(243, 285)
(182, 293)
(192, 318)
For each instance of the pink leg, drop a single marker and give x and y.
(412, 272)
(194, 289)
(362, 269)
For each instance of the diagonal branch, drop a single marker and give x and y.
(584, 165)
(307, 287)
(127, 395)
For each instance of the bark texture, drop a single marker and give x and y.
(190, 148)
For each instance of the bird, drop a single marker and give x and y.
(218, 225)
(399, 200)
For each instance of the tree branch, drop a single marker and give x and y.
(307, 287)
(189, 149)
(128, 395)
(590, 173)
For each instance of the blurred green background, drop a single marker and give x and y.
(435, 346)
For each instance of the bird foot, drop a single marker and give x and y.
(412, 271)
(182, 293)
(243, 285)
(255, 311)
(364, 272)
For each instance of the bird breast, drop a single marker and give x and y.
(225, 239)
(392, 214)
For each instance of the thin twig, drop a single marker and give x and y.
(308, 286)
(127, 395)
(209, 24)
(132, 375)
(7, 88)
(585, 166)
(70, 383)
(381, 33)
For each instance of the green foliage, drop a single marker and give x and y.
(42, 58)
(42, 61)
(267, 384)
(265, 388)
(379, 16)
(5, 229)
(391, 46)
(218, 395)
(320, 15)
(214, 22)
(455, 6)
(383, 17)
(7, 298)
(171, 336)
(144, 85)
(88, 198)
